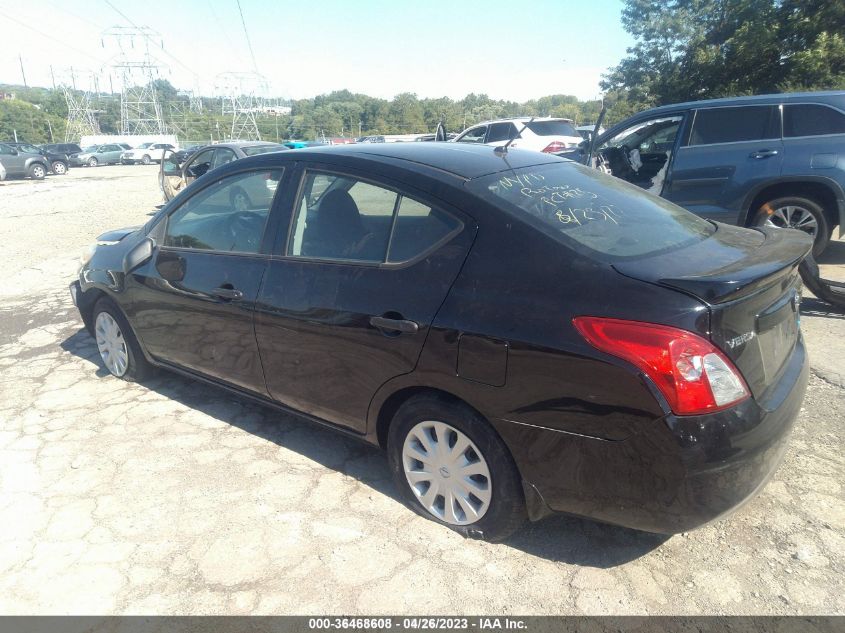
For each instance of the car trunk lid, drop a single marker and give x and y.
(749, 281)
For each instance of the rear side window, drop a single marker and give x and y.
(501, 132)
(552, 128)
(732, 125)
(475, 135)
(593, 213)
(343, 218)
(812, 120)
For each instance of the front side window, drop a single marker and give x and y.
(201, 164)
(5, 149)
(812, 120)
(475, 135)
(228, 216)
(222, 156)
(343, 218)
(733, 125)
(591, 212)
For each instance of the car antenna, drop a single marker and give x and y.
(503, 149)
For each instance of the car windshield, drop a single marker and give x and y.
(144, 146)
(91, 148)
(261, 149)
(598, 215)
(552, 128)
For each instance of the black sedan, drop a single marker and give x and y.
(521, 334)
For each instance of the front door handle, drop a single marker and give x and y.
(764, 153)
(394, 325)
(227, 294)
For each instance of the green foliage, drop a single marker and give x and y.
(30, 122)
(700, 49)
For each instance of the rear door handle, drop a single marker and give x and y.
(764, 153)
(228, 294)
(394, 325)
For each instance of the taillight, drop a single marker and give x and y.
(691, 373)
(555, 146)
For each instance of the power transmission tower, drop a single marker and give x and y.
(81, 116)
(241, 97)
(137, 68)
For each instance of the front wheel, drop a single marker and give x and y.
(146, 160)
(59, 168)
(37, 171)
(451, 467)
(118, 347)
(93, 162)
(794, 212)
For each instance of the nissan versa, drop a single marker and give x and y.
(522, 334)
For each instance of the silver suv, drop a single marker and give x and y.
(20, 164)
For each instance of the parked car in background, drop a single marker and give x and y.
(145, 153)
(71, 150)
(22, 164)
(108, 154)
(175, 175)
(2, 172)
(181, 155)
(546, 134)
(370, 289)
(771, 160)
(59, 163)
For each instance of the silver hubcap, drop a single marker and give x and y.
(38, 172)
(111, 344)
(59, 168)
(792, 217)
(447, 473)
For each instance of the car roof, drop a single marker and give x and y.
(236, 144)
(831, 96)
(522, 119)
(462, 160)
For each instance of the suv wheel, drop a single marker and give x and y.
(37, 171)
(794, 212)
(59, 168)
(451, 467)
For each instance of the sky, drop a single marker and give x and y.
(434, 48)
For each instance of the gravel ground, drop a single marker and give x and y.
(172, 497)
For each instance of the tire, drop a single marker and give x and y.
(500, 503)
(799, 213)
(146, 160)
(130, 365)
(37, 171)
(93, 162)
(811, 277)
(59, 168)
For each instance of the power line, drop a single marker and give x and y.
(249, 43)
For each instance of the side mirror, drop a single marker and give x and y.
(14, 152)
(140, 254)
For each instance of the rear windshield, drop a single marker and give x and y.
(598, 215)
(552, 128)
(262, 149)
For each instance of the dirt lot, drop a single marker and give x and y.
(172, 497)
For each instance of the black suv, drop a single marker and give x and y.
(771, 160)
(71, 150)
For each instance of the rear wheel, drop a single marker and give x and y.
(93, 162)
(59, 168)
(37, 171)
(118, 347)
(795, 212)
(146, 159)
(451, 467)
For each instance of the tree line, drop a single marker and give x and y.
(684, 50)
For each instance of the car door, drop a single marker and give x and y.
(728, 152)
(13, 160)
(193, 303)
(347, 303)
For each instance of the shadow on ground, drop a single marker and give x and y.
(558, 538)
(833, 254)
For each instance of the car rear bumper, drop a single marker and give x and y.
(678, 474)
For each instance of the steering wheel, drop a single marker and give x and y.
(245, 228)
